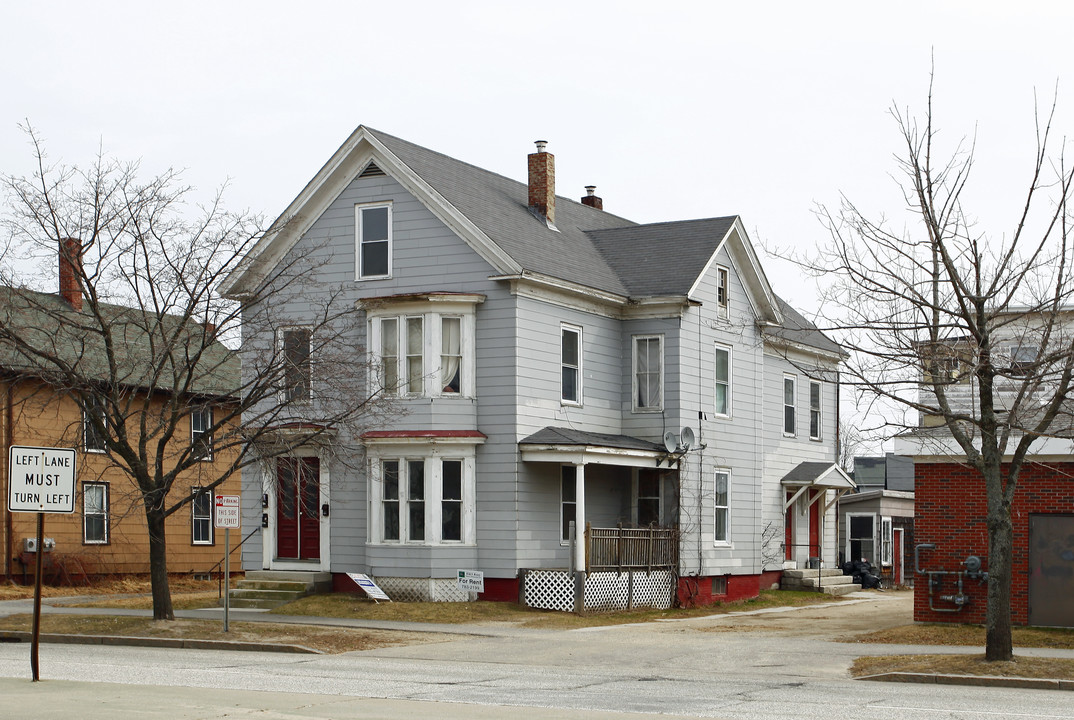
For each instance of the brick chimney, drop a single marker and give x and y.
(542, 196)
(591, 198)
(71, 271)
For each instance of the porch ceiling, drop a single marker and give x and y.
(578, 447)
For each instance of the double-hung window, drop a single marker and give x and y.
(722, 381)
(415, 355)
(95, 513)
(422, 500)
(94, 423)
(450, 355)
(814, 411)
(790, 407)
(201, 439)
(648, 373)
(722, 302)
(570, 352)
(568, 500)
(374, 230)
(201, 517)
(722, 507)
(297, 385)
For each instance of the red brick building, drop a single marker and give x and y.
(950, 527)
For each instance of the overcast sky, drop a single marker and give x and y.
(673, 110)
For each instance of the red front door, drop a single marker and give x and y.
(298, 508)
(814, 524)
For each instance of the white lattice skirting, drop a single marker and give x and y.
(554, 590)
(423, 589)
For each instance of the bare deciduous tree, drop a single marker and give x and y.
(142, 342)
(971, 329)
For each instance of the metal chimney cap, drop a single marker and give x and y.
(541, 144)
(591, 190)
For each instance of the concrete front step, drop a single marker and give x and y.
(829, 582)
(272, 588)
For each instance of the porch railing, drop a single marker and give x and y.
(624, 549)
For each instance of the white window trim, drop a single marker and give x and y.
(634, 374)
(358, 209)
(212, 529)
(783, 404)
(282, 355)
(432, 313)
(819, 410)
(730, 375)
(578, 333)
(106, 513)
(86, 428)
(716, 508)
(887, 538)
(723, 309)
(433, 455)
(208, 410)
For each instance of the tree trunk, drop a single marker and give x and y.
(158, 566)
(998, 646)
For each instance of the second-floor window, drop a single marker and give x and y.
(814, 411)
(722, 381)
(570, 351)
(648, 373)
(790, 407)
(296, 364)
(426, 355)
(93, 424)
(374, 230)
(201, 440)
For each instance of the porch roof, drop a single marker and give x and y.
(826, 475)
(579, 447)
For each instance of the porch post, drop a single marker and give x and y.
(579, 517)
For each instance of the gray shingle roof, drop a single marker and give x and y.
(797, 329)
(569, 436)
(48, 323)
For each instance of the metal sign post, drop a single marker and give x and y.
(40, 480)
(227, 516)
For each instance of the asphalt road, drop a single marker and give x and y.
(778, 665)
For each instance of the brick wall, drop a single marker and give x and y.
(950, 511)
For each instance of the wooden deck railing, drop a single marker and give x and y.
(623, 549)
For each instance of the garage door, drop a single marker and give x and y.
(1051, 570)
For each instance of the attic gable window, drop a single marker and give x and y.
(373, 227)
(721, 291)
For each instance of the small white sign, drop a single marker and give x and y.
(369, 587)
(472, 581)
(227, 511)
(41, 479)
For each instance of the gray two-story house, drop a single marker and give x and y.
(582, 399)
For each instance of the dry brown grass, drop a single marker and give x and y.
(122, 585)
(1021, 667)
(972, 635)
(352, 605)
(323, 639)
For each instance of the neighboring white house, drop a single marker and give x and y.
(554, 361)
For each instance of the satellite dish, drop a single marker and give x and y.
(671, 441)
(687, 438)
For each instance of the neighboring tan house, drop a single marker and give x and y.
(877, 520)
(106, 535)
(951, 543)
(558, 366)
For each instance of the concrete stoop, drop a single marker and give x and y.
(267, 589)
(829, 582)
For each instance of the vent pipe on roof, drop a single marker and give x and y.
(591, 198)
(71, 272)
(542, 186)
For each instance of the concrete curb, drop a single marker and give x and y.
(978, 680)
(137, 641)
